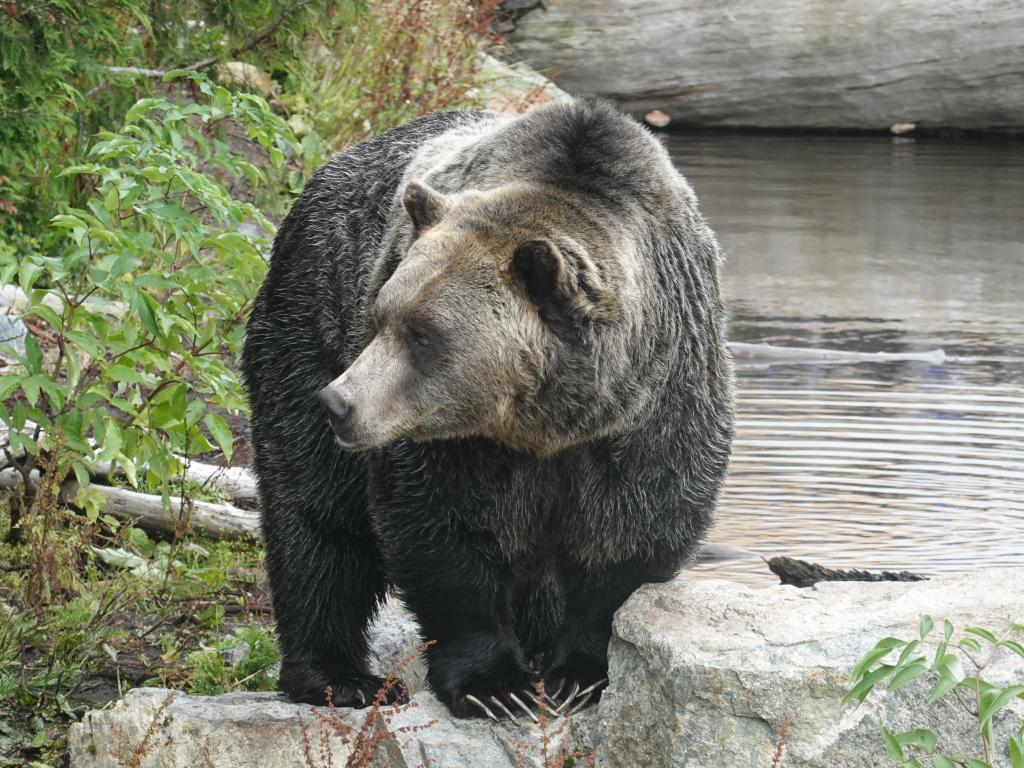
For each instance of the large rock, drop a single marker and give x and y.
(169, 729)
(703, 674)
(789, 64)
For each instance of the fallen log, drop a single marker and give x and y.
(799, 573)
(218, 521)
(237, 483)
(788, 65)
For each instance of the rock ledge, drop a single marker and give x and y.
(703, 675)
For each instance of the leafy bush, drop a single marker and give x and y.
(144, 306)
(898, 662)
(70, 68)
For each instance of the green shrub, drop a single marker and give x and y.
(145, 303)
(956, 667)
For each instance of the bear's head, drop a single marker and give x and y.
(499, 321)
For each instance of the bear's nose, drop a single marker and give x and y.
(337, 406)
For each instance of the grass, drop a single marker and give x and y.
(122, 610)
(382, 64)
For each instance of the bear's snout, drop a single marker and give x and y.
(338, 408)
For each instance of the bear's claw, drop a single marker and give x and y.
(501, 705)
(483, 707)
(575, 700)
(519, 703)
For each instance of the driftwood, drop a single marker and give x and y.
(218, 521)
(771, 353)
(799, 573)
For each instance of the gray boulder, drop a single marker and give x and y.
(789, 64)
(704, 674)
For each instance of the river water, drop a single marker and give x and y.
(872, 245)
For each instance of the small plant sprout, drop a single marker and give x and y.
(956, 665)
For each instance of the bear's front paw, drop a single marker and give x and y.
(484, 684)
(303, 683)
(496, 699)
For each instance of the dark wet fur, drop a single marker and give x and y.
(512, 563)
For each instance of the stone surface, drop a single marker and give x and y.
(169, 729)
(514, 87)
(703, 675)
(789, 64)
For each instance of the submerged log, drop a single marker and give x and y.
(799, 573)
(793, 64)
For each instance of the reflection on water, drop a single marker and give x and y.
(872, 245)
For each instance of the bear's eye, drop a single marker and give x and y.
(419, 337)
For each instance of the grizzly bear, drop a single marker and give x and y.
(487, 368)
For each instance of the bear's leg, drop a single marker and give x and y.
(579, 659)
(463, 606)
(323, 563)
(326, 587)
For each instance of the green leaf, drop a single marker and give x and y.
(8, 384)
(880, 649)
(892, 746)
(973, 762)
(48, 314)
(941, 761)
(862, 689)
(918, 737)
(111, 443)
(1016, 752)
(33, 354)
(983, 633)
(140, 108)
(988, 709)
(947, 631)
(905, 675)
(221, 432)
(946, 684)
(970, 644)
(907, 652)
(1014, 646)
(146, 314)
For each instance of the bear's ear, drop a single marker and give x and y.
(564, 286)
(424, 205)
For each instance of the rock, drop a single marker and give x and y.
(264, 730)
(514, 87)
(261, 730)
(248, 76)
(705, 673)
(789, 64)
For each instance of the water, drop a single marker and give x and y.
(872, 245)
